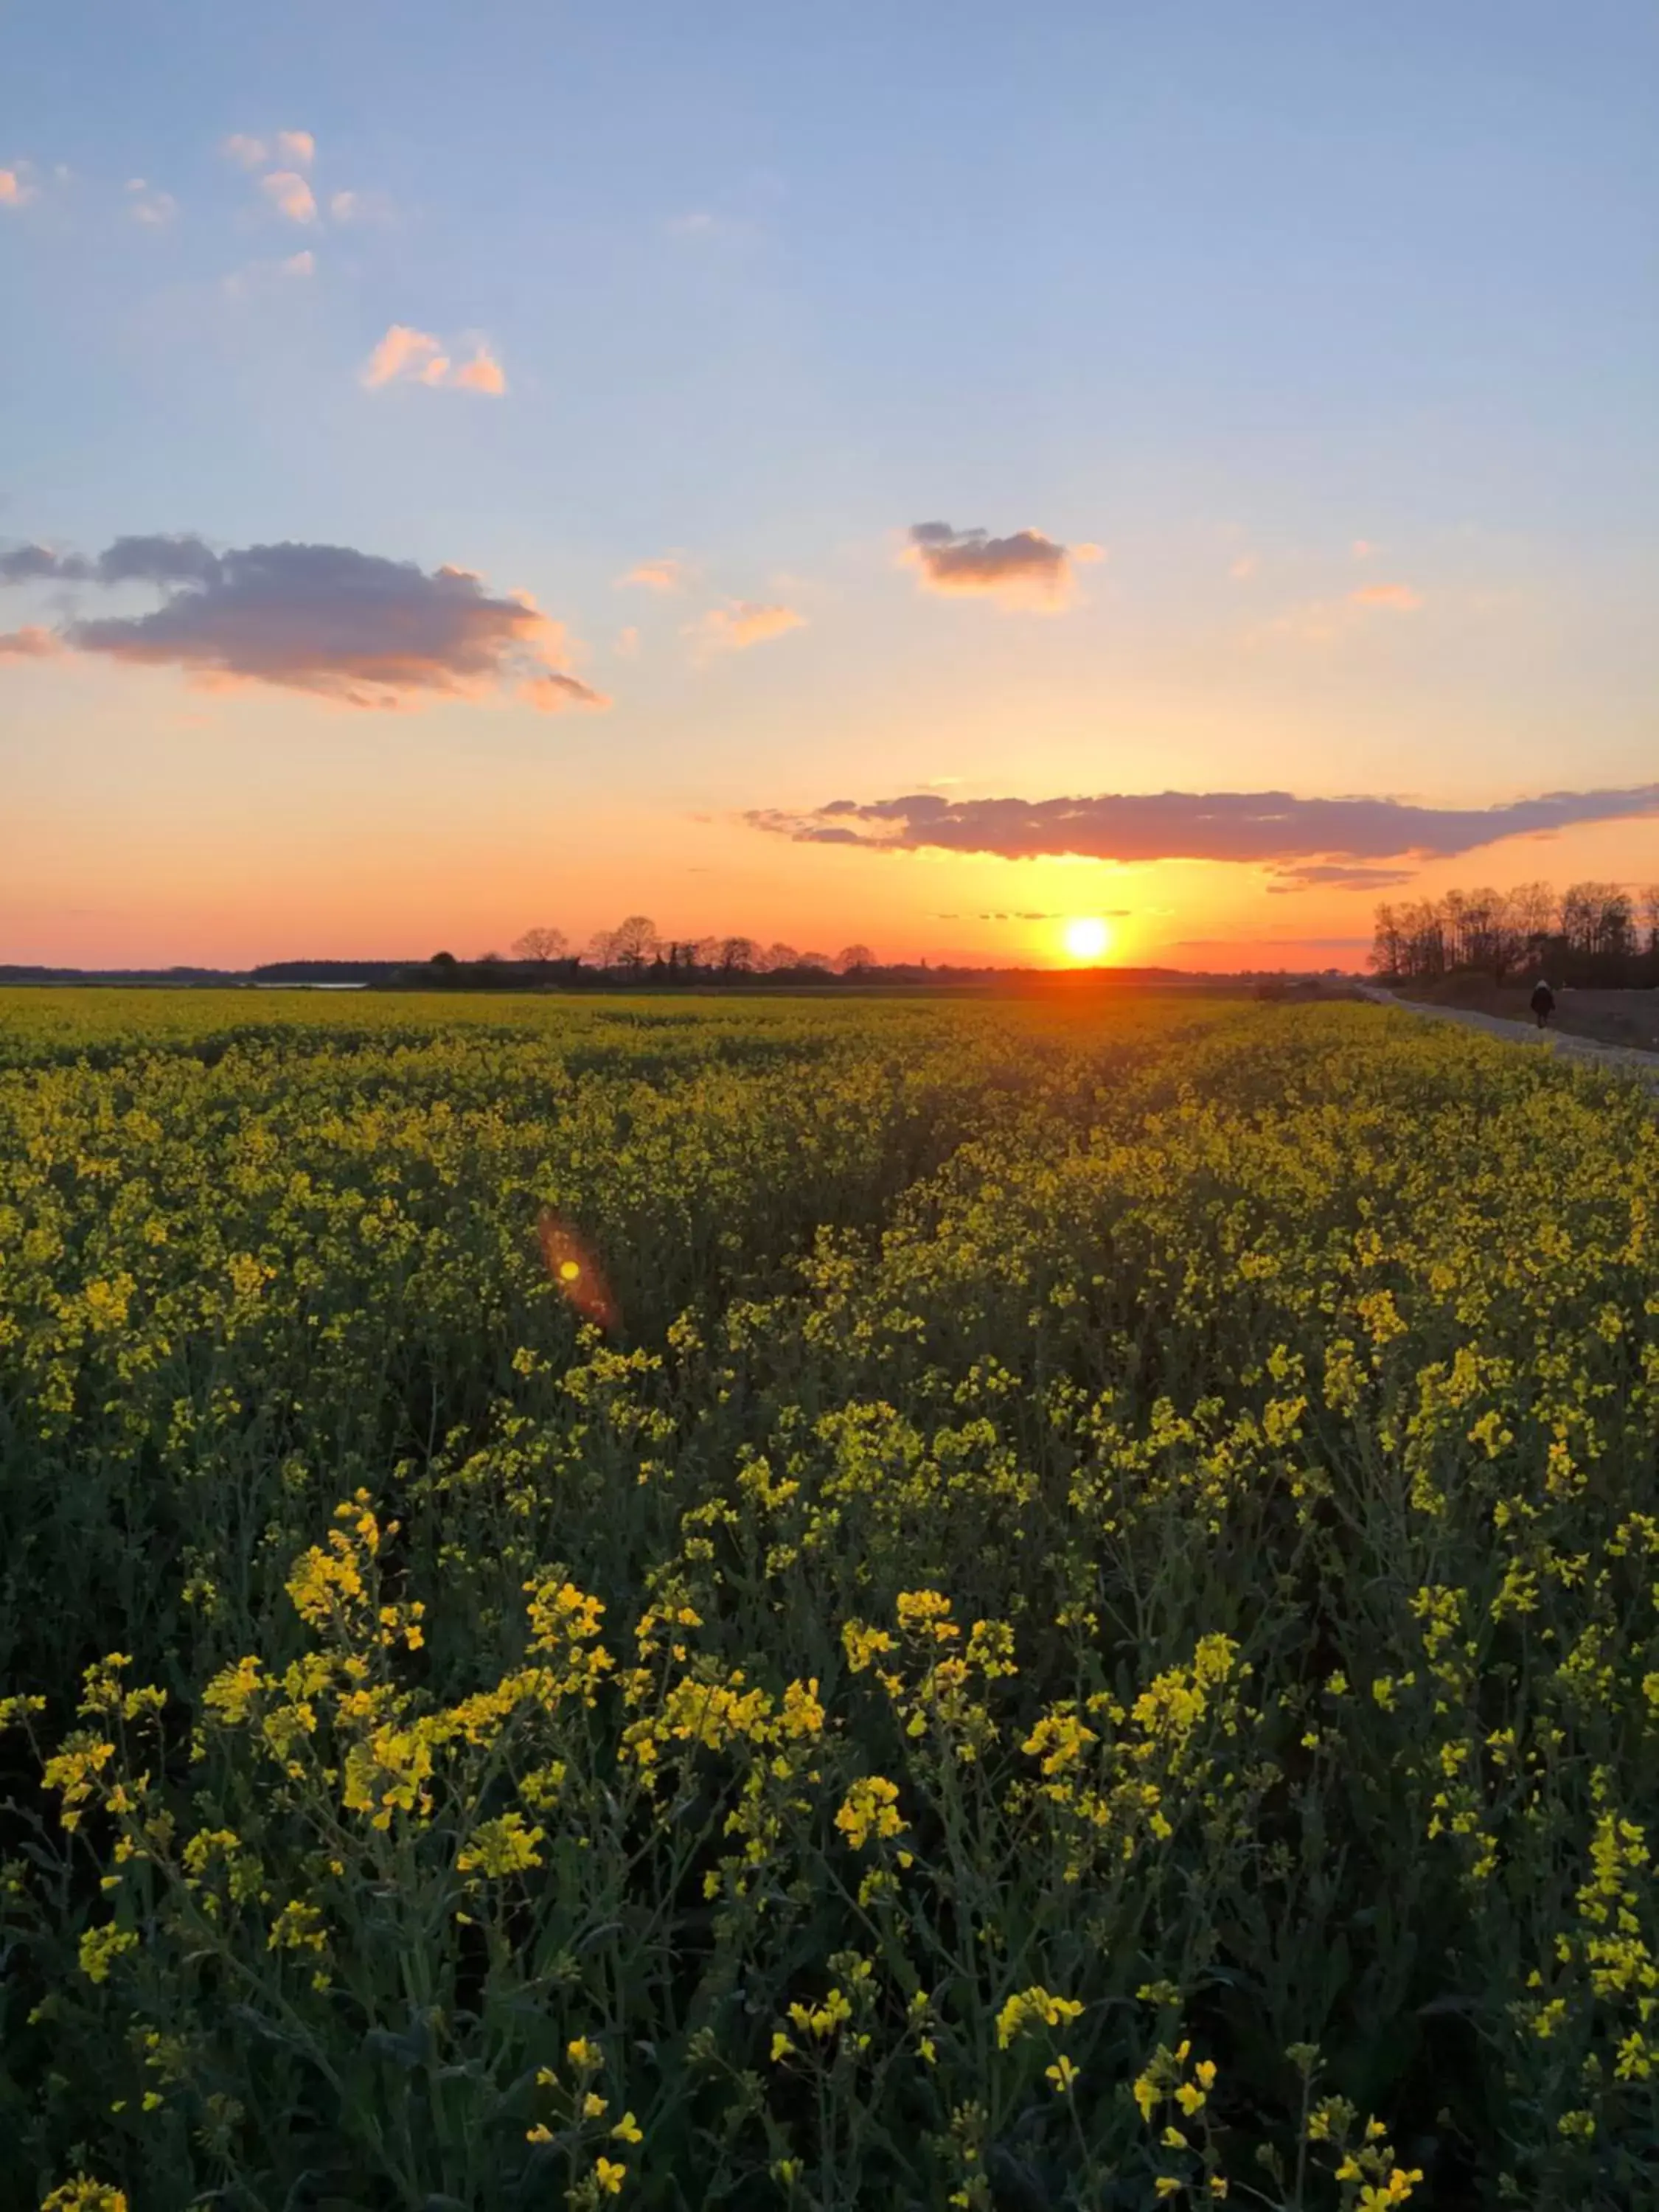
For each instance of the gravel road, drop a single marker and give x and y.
(1621, 1059)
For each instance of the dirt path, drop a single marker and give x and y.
(1622, 1059)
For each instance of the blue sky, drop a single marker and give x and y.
(1276, 308)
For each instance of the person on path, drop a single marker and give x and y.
(1543, 1001)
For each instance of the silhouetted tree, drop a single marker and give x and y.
(540, 946)
(853, 959)
(780, 955)
(738, 956)
(633, 942)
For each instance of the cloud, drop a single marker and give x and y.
(1261, 827)
(740, 623)
(406, 355)
(1362, 549)
(33, 564)
(1320, 621)
(29, 643)
(360, 207)
(290, 195)
(665, 573)
(404, 352)
(303, 264)
(1245, 568)
(248, 153)
(348, 627)
(149, 204)
(1400, 596)
(1027, 569)
(1342, 876)
(627, 644)
(483, 373)
(298, 147)
(17, 187)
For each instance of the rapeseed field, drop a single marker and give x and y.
(781, 1605)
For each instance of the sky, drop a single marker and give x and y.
(911, 475)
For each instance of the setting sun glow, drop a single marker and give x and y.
(1086, 938)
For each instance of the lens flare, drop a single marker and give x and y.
(574, 1272)
(1087, 937)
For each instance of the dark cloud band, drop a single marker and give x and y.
(1316, 841)
(351, 627)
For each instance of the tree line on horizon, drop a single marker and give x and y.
(636, 945)
(1591, 933)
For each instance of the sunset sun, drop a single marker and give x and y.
(1086, 938)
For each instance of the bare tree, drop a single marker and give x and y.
(738, 956)
(780, 955)
(820, 961)
(1388, 944)
(853, 959)
(540, 946)
(602, 948)
(633, 942)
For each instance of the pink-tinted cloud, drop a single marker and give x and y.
(303, 264)
(740, 623)
(1268, 826)
(297, 147)
(248, 153)
(1400, 596)
(29, 643)
(350, 207)
(15, 189)
(664, 573)
(1027, 569)
(483, 373)
(290, 195)
(351, 628)
(1245, 568)
(148, 204)
(406, 355)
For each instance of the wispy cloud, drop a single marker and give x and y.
(1027, 569)
(1268, 827)
(290, 195)
(406, 355)
(248, 153)
(1245, 568)
(29, 643)
(303, 264)
(664, 573)
(360, 207)
(1340, 875)
(1399, 596)
(148, 204)
(740, 623)
(351, 628)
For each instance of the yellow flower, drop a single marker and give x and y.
(628, 2131)
(1062, 2074)
(583, 2054)
(610, 2176)
(594, 2108)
